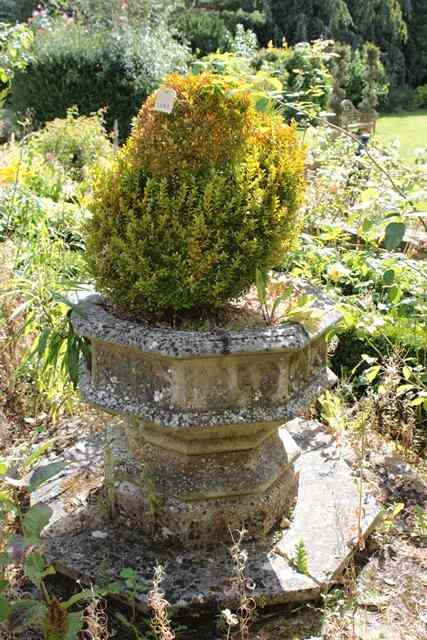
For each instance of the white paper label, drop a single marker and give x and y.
(165, 100)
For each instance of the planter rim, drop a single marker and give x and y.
(91, 319)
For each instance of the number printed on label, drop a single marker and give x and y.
(165, 100)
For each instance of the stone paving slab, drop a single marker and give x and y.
(327, 518)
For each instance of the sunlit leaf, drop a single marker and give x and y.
(35, 520)
(394, 234)
(45, 473)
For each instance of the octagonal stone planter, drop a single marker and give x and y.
(202, 452)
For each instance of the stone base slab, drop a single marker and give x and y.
(327, 518)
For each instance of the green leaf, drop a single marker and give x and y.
(25, 613)
(394, 294)
(394, 234)
(5, 609)
(262, 104)
(127, 572)
(6, 501)
(403, 388)
(75, 625)
(42, 343)
(301, 559)
(5, 559)
(38, 453)
(418, 401)
(86, 594)
(407, 373)
(261, 286)
(388, 277)
(372, 373)
(35, 520)
(45, 473)
(36, 569)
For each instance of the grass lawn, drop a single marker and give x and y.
(409, 126)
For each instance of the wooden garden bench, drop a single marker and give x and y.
(354, 120)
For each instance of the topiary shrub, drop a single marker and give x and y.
(197, 200)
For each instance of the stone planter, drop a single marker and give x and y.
(202, 452)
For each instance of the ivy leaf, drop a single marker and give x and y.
(45, 473)
(394, 234)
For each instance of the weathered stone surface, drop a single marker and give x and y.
(202, 445)
(197, 499)
(96, 323)
(70, 491)
(326, 518)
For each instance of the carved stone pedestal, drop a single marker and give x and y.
(202, 454)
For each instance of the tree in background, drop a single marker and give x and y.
(416, 45)
(381, 22)
(210, 24)
(16, 10)
(305, 21)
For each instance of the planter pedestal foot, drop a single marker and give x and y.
(84, 545)
(198, 495)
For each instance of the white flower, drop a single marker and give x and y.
(230, 618)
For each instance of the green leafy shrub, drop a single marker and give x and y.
(402, 99)
(75, 143)
(15, 42)
(16, 10)
(363, 76)
(206, 33)
(303, 71)
(421, 93)
(73, 65)
(196, 202)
